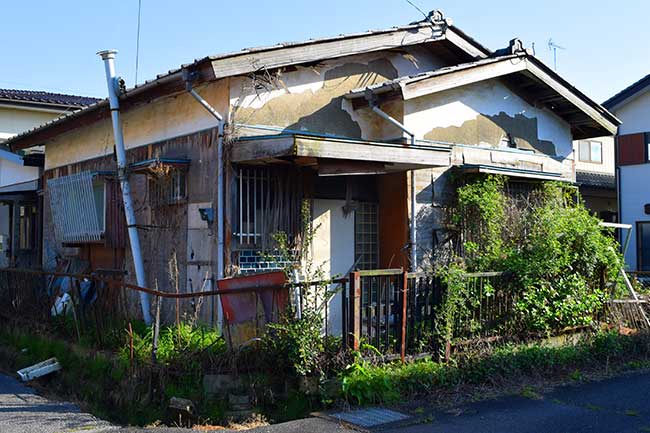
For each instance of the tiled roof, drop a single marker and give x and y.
(629, 91)
(595, 180)
(40, 97)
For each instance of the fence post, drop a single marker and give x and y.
(405, 286)
(355, 309)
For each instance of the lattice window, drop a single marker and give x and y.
(366, 237)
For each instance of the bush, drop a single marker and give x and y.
(364, 383)
(563, 265)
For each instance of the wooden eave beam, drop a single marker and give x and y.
(463, 77)
(276, 57)
(570, 96)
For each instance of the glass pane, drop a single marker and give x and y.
(98, 192)
(596, 151)
(584, 151)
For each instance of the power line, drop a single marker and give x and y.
(417, 8)
(137, 43)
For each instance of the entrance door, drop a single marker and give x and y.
(333, 250)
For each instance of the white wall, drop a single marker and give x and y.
(609, 157)
(16, 120)
(634, 179)
(11, 173)
(634, 114)
(456, 106)
(333, 250)
(636, 192)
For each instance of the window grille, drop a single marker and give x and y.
(168, 189)
(267, 201)
(365, 232)
(78, 204)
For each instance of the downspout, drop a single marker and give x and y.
(108, 56)
(413, 228)
(189, 77)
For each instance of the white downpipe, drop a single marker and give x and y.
(220, 186)
(108, 56)
(413, 228)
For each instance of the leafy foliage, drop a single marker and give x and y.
(562, 263)
(296, 340)
(364, 383)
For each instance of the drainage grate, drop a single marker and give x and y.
(369, 417)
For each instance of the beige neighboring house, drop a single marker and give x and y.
(22, 110)
(595, 165)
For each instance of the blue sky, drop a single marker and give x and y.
(48, 45)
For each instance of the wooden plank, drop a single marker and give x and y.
(380, 272)
(272, 147)
(572, 97)
(462, 43)
(463, 77)
(278, 56)
(369, 151)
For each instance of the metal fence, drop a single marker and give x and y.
(399, 312)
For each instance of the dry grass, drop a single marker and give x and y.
(256, 420)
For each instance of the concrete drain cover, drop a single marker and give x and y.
(369, 417)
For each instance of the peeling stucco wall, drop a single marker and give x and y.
(483, 114)
(311, 98)
(163, 118)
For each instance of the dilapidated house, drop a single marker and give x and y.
(370, 128)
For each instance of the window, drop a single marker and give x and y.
(168, 189)
(591, 151)
(643, 245)
(78, 204)
(267, 201)
(365, 233)
(26, 226)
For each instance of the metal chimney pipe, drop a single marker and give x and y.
(108, 56)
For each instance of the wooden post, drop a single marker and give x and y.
(355, 309)
(405, 286)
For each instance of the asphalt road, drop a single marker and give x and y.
(618, 405)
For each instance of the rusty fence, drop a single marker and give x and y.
(398, 312)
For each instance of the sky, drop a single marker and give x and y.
(51, 45)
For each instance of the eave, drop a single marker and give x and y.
(523, 73)
(289, 147)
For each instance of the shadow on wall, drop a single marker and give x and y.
(322, 110)
(495, 130)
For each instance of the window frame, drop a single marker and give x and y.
(26, 215)
(589, 158)
(639, 245)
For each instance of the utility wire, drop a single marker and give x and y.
(137, 43)
(417, 8)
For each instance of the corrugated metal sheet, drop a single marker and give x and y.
(74, 208)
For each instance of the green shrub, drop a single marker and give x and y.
(562, 264)
(365, 383)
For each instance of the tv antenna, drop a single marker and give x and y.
(552, 46)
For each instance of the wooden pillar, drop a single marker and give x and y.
(355, 310)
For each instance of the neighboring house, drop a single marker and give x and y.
(21, 110)
(596, 176)
(305, 122)
(632, 106)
